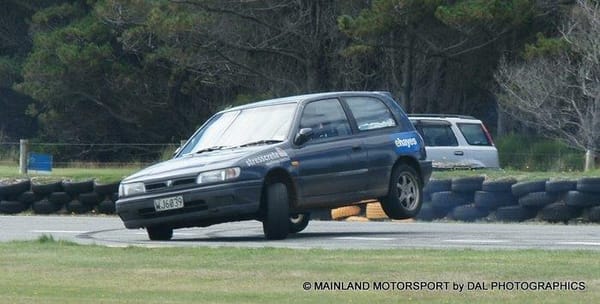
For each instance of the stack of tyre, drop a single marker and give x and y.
(561, 201)
(76, 197)
(14, 196)
(496, 197)
(456, 199)
(429, 212)
(108, 195)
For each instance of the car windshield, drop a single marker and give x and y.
(247, 127)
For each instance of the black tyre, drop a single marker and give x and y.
(514, 214)
(276, 217)
(593, 214)
(14, 189)
(106, 207)
(560, 186)
(46, 189)
(59, 198)
(524, 188)
(537, 199)
(428, 213)
(467, 184)
(77, 207)
(12, 207)
(28, 198)
(582, 199)
(504, 185)
(589, 184)
(468, 213)
(405, 195)
(106, 189)
(493, 200)
(438, 185)
(76, 188)
(159, 233)
(558, 212)
(445, 201)
(44, 207)
(90, 199)
(298, 222)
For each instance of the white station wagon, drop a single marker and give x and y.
(456, 141)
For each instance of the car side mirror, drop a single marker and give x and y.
(303, 136)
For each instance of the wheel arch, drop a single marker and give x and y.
(410, 161)
(279, 175)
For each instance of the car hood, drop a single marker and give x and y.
(195, 163)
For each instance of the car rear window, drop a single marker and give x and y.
(474, 134)
(437, 135)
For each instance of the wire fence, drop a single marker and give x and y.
(142, 154)
(91, 154)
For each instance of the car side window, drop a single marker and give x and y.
(370, 113)
(326, 118)
(438, 135)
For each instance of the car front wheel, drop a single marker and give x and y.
(405, 195)
(276, 220)
(159, 233)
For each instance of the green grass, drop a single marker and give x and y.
(112, 174)
(49, 271)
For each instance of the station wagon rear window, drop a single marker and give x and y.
(474, 134)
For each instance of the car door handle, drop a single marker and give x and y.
(460, 153)
(356, 148)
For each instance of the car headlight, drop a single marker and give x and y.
(217, 176)
(131, 189)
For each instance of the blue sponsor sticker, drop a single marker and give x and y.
(406, 142)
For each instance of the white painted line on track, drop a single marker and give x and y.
(579, 243)
(476, 241)
(59, 231)
(357, 238)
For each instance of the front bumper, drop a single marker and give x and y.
(203, 206)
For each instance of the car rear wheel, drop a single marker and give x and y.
(405, 195)
(276, 221)
(159, 233)
(298, 222)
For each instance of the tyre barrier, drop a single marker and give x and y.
(507, 200)
(462, 199)
(62, 197)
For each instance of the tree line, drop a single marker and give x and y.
(106, 71)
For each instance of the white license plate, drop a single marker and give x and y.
(168, 203)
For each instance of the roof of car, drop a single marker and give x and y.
(300, 98)
(447, 117)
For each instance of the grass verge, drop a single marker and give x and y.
(49, 271)
(106, 175)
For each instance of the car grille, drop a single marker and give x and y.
(170, 184)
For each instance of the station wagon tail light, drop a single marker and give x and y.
(217, 176)
(131, 189)
(487, 134)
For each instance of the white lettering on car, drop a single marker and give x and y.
(268, 157)
(406, 142)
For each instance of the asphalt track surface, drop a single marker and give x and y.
(109, 231)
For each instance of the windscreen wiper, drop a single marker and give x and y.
(261, 142)
(213, 148)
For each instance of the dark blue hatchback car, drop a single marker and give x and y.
(276, 160)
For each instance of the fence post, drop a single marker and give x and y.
(23, 148)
